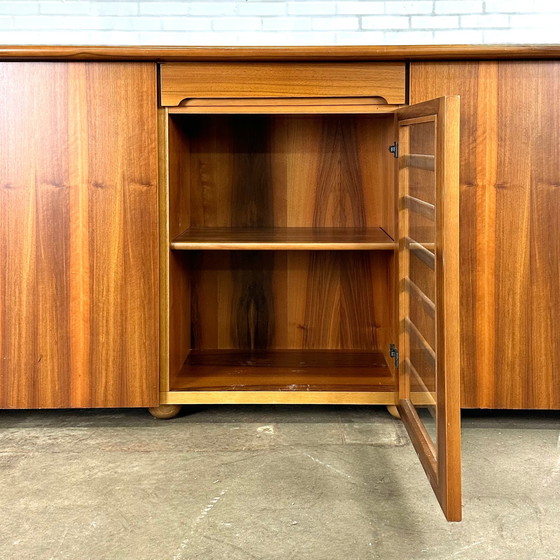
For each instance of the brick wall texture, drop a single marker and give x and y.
(277, 22)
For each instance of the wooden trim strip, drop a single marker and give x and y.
(283, 109)
(165, 303)
(274, 101)
(278, 246)
(428, 118)
(278, 397)
(284, 239)
(326, 53)
(420, 207)
(419, 113)
(418, 161)
(311, 105)
(428, 305)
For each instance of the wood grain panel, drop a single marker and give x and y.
(510, 227)
(209, 80)
(78, 235)
(255, 174)
(290, 300)
(327, 171)
(34, 226)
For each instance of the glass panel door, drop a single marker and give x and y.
(428, 198)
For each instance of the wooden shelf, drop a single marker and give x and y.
(284, 370)
(284, 239)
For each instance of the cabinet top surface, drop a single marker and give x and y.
(348, 53)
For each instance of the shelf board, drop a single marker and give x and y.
(284, 239)
(284, 370)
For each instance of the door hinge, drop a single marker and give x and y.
(394, 353)
(394, 149)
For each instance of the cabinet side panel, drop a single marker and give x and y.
(178, 214)
(510, 226)
(78, 235)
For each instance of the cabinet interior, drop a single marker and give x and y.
(281, 256)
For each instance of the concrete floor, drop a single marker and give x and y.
(302, 483)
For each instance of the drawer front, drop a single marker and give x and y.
(211, 80)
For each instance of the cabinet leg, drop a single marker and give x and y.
(165, 411)
(393, 411)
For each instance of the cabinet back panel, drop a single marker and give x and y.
(286, 171)
(259, 300)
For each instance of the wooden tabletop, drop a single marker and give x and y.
(387, 52)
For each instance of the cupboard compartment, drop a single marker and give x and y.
(294, 321)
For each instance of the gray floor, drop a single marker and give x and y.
(235, 483)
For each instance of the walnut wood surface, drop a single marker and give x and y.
(192, 80)
(175, 217)
(296, 238)
(290, 299)
(286, 370)
(510, 227)
(282, 171)
(271, 102)
(78, 237)
(313, 172)
(283, 108)
(385, 52)
(288, 106)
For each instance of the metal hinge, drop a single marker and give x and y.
(394, 353)
(394, 149)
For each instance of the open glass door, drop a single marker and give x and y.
(428, 276)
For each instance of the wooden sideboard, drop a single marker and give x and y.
(228, 225)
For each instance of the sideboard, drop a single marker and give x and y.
(308, 225)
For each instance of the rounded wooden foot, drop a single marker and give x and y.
(165, 411)
(393, 411)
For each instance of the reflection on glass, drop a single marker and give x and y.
(428, 416)
(419, 283)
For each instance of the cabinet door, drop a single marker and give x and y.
(78, 235)
(428, 276)
(510, 226)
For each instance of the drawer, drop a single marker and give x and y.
(212, 80)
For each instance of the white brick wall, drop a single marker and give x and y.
(278, 22)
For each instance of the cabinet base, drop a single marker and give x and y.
(393, 411)
(278, 397)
